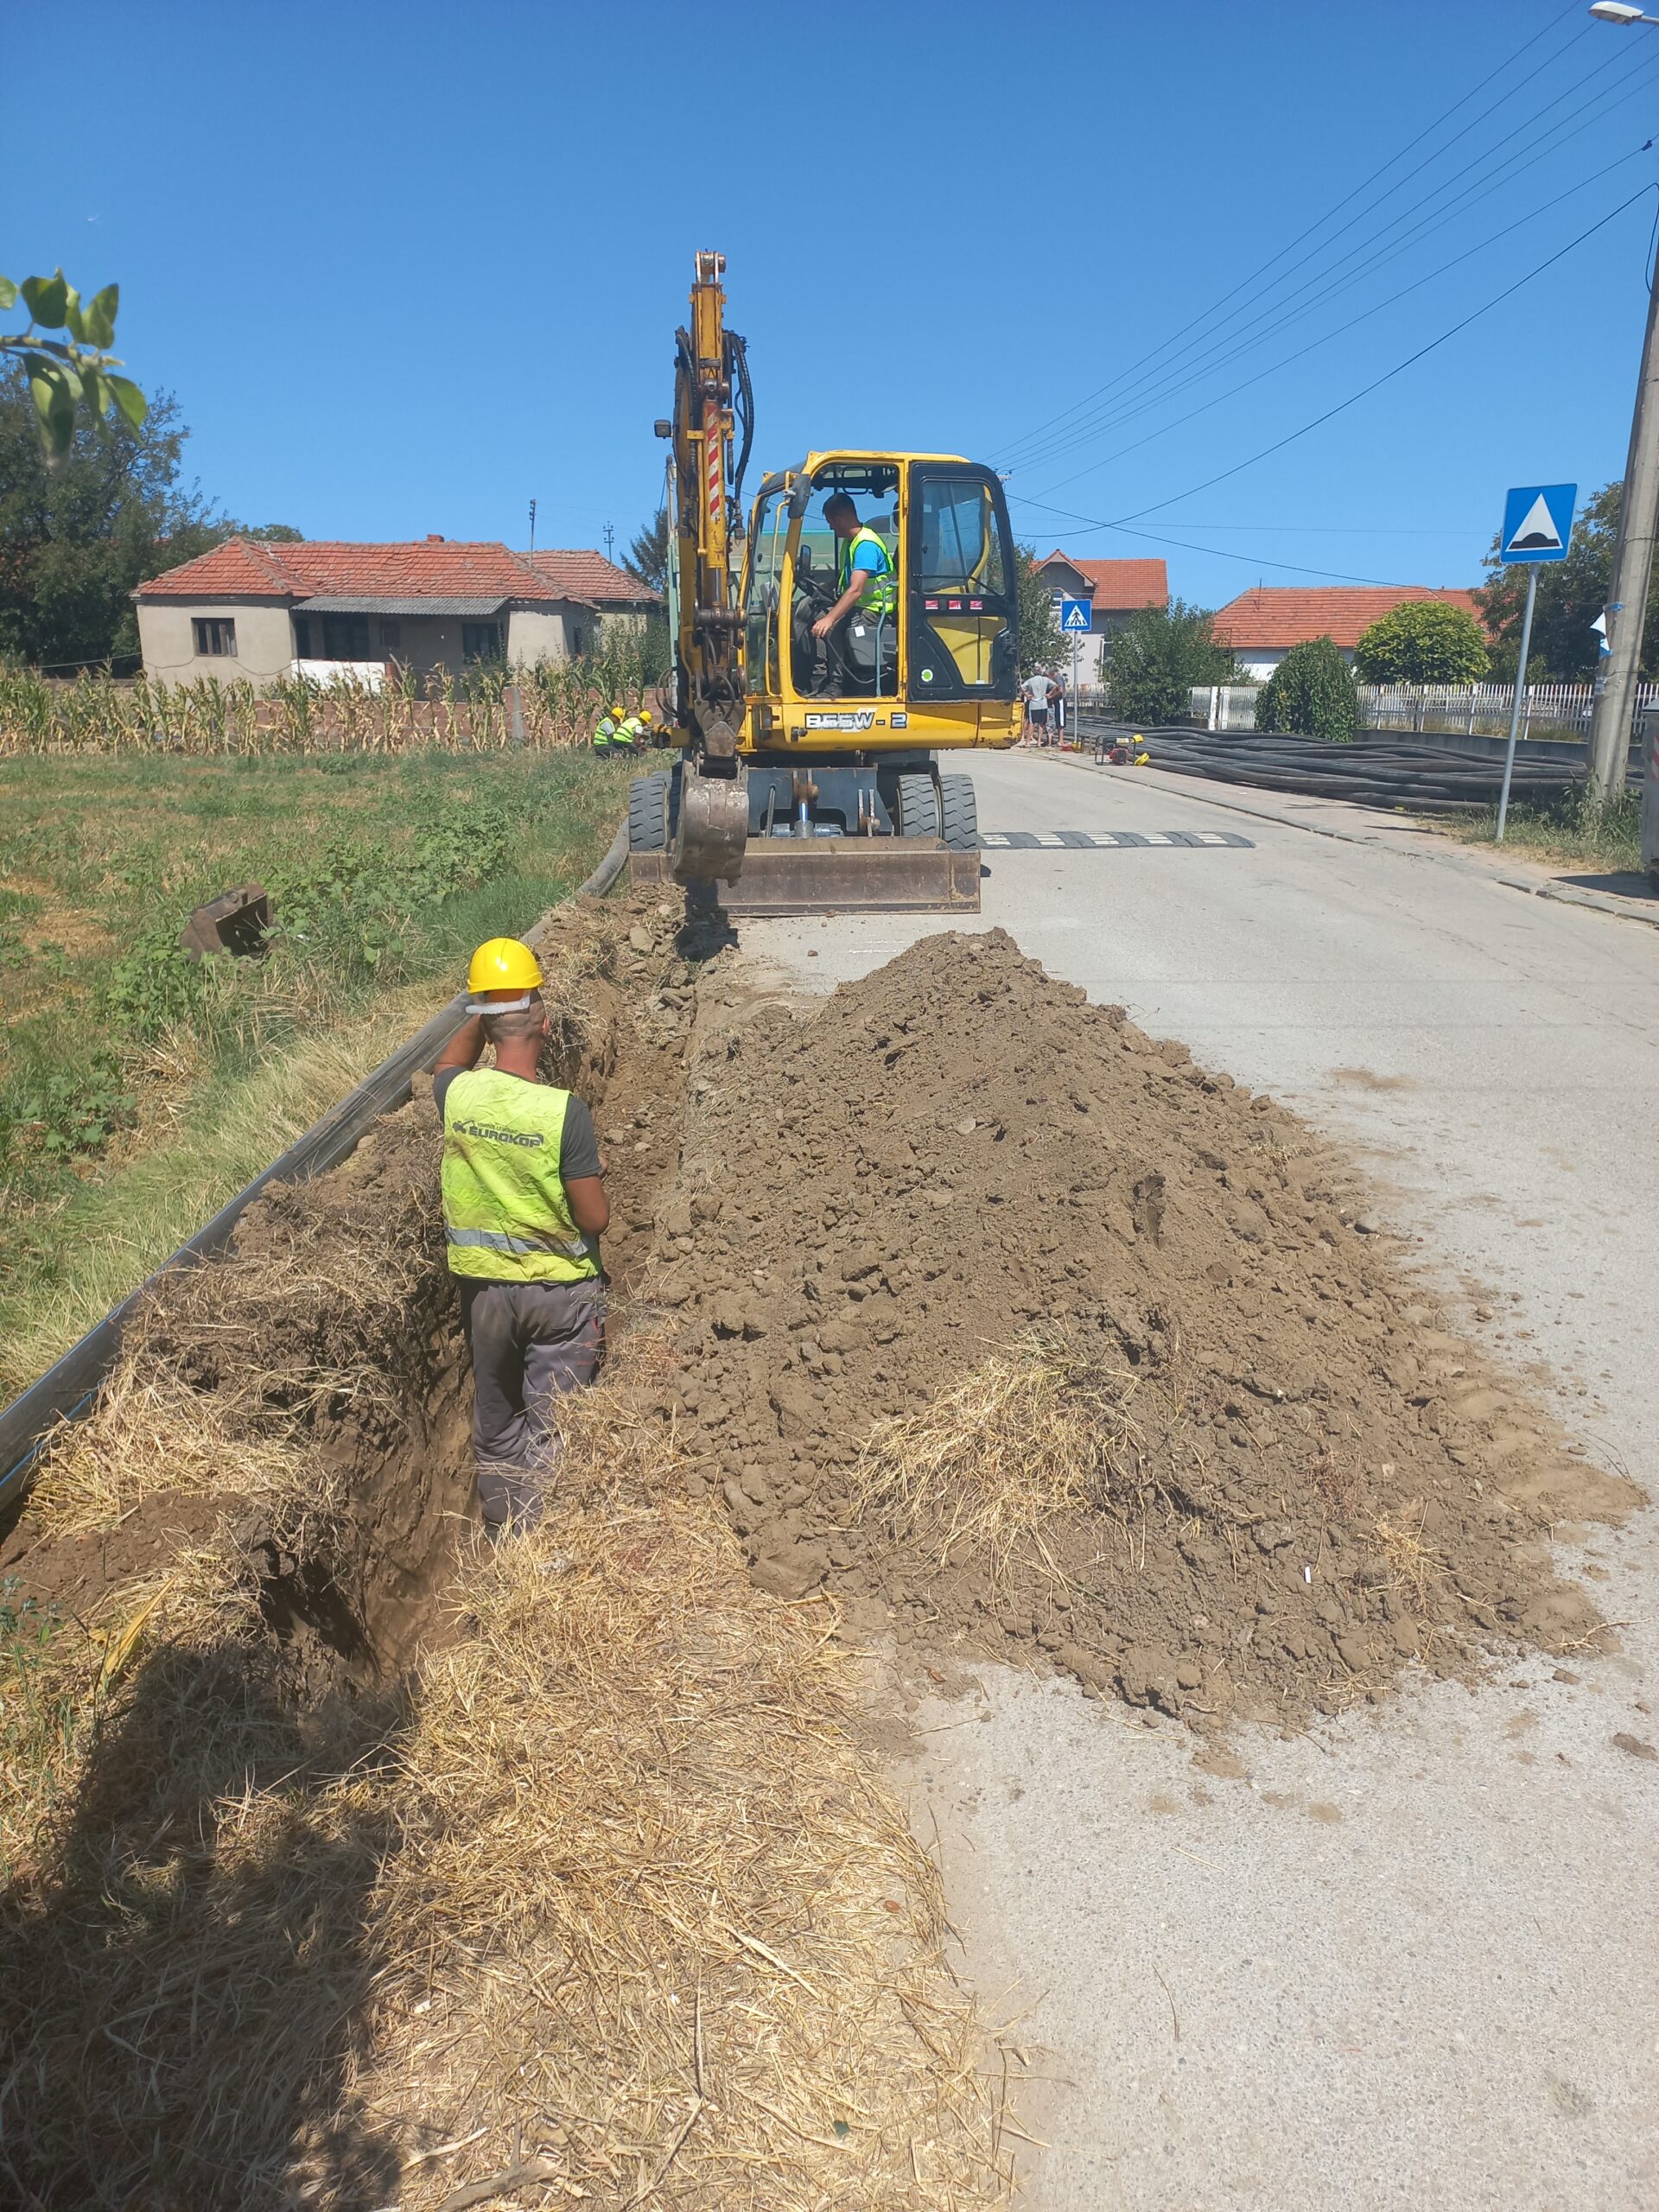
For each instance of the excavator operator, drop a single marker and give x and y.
(864, 572)
(524, 1209)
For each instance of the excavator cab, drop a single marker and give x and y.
(871, 627)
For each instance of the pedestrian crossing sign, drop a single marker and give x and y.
(1537, 523)
(1074, 614)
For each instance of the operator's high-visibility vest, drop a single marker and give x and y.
(604, 735)
(506, 1214)
(880, 595)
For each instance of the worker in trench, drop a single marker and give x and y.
(524, 1208)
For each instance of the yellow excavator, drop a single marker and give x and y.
(808, 775)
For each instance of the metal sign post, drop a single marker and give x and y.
(1537, 527)
(1075, 618)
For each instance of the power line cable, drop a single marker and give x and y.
(1119, 410)
(1399, 368)
(1341, 328)
(1363, 186)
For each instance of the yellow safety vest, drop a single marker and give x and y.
(880, 593)
(506, 1213)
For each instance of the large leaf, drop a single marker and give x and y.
(47, 298)
(55, 391)
(8, 293)
(128, 399)
(72, 317)
(99, 316)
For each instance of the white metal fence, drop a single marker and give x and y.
(1557, 711)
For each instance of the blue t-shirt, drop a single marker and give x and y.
(872, 557)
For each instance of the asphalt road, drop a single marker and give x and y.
(1410, 1961)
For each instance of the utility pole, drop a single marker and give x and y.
(610, 536)
(1627, 607)
(532, 528)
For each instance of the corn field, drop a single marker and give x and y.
(558, 703)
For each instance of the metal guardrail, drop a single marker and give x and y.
(68, 1389)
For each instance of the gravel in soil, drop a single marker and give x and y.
(1299, 1479)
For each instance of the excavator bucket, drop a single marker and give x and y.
(819, 875)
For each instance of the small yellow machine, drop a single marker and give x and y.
(870, 626)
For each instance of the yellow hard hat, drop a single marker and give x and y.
(645, 714)
(616, 710)
(503, 964)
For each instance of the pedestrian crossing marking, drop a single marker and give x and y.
(1084, 840)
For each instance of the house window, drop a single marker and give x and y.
(302, 636)
(480, 641)
(215, 635)
(345, 636)
(392, 637)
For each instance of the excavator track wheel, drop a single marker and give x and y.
(918, 807)
(958, 814)
(648, 813)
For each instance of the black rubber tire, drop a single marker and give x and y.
(958, 814)
(918, 807)
(648, 812)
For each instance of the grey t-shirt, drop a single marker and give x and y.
(1036, 690)
(578, 1142)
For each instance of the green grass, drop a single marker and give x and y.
(1569, 832)
(137, 1092)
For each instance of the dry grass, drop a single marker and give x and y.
(1032, 1432)
(1412, 1562)
(660, 1926)
(602, 1892)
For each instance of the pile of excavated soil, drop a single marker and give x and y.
(1311, 1481)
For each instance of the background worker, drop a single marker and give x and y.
(1035, 692)
(523, 1207)
(610, 732)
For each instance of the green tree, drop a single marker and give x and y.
(647, 559)
(70, 373)
(1310, 693)
(1043, 644)
(1157, 658)
(78, 531)
(1422, 641)
(1571, 594)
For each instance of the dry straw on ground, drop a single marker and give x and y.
(601, 1893)
(978, 1470)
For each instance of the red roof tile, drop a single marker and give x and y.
(589, 575)
(432, 567)
(1271, 617)
(1119, 584)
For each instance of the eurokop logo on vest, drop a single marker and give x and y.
(498, 1136)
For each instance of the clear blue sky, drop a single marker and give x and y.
(407, 267)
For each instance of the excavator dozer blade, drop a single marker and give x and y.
(817, 875)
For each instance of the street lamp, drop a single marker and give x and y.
(1638, 519)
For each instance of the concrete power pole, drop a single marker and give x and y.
(1627, 608)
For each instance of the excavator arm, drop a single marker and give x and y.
(712, 399)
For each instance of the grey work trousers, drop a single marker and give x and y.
(530, 1342)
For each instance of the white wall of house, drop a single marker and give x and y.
(537, 634)
(167, 637)
(1261, 660)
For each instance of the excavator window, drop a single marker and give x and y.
(762, 615)
(860, 659)
(963, 595)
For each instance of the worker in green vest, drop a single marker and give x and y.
(865, 576)
(524, 1208)
(609, 733)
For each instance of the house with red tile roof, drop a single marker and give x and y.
(1261, 625)
(251, 608)
(1116, 590)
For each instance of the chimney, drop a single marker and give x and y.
(433, 538)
